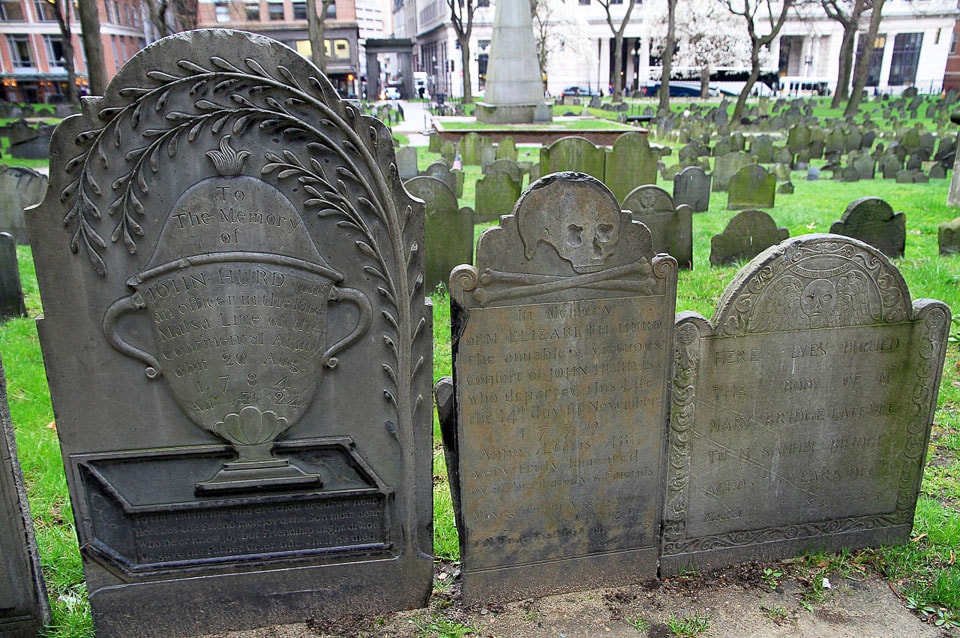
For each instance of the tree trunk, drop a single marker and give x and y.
(315, 32)
(617, 67)
(66, 36)
(705, 81)
(667, 60)
(751, 81)
(846, 60)
(863, 62)
(465, 68)
(92, 46)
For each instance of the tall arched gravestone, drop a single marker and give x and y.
(801, 413)
(561, 357)
(238, 345)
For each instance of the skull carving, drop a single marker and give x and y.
(575, 215)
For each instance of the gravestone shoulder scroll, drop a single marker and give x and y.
(802, 410)
(561, 353)
(238, 345)
(872, 220)
(24, 609)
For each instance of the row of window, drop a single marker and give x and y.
(275, 11)
(904, 59)
(22, 55)
(44, 11)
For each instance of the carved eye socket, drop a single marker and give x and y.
(605, 232)
(827, 297)
(574, 235)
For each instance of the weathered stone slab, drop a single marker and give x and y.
(11, 291)
(19, 188)
(407, 165)
(451, 177)
(948, 237)
(238, 345)
(872, 220)
(747, 235)
(449, 229)
(726, 166)
(691, 186)
(561, 351)
(629, 164)
(752, 187)
(24, 609)
(573, 154)
(671, 225)
(496, 194)
(802, 411)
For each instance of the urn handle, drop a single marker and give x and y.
(117, 309)
(360, 300)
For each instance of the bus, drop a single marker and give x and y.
(796, 85)
(728, 80)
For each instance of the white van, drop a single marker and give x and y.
(796, 85)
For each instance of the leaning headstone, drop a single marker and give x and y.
(798, 138)
(449, 230)
(948, 237)
(937, 171)
(671, 225)
(630, 163)
(752, 187)
(496, 194)
(726, 167)
(407, 162)
(20, 188)
(872, 220)
(572, 154)
(11, 291)
(36, 148)
(691, 186)
(561, 358)
(802, 410)
(866, 166)
(238, 345)
(747, 235)
(24, 609)
(762, 148)
(786, 188)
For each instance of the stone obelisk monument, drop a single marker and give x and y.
(514, 87)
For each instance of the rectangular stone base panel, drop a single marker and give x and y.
(556, 577)
(505, 113)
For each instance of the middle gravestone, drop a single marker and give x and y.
(238, 345)
(671, 226)
(752, 187)
(802, 410)
(561, 357)
(872, 220)
(448, 235)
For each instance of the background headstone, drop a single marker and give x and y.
(752, 187)
(496, 193)
(747, 235)
(802, 410)
(872, 220)
(11, 291)
(241, 380)
(726, 166)
(572, 154)
(561, 359)
(24, 609)
(691, 186)
(630, 163)
(19, 188)
(448, 238)
(948, 237)
(671, 226)
(407, 162)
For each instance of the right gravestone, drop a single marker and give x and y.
(872, 220)
(801, 412)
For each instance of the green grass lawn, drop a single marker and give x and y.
(925, 571)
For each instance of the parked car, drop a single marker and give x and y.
(580, 91)
(391, 93)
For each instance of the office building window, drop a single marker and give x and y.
(275, 9)
(20, 51)
(906, 55)
(54, 49)
(45, 11)
(300, 10)
(253, 11)
(11, 10)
